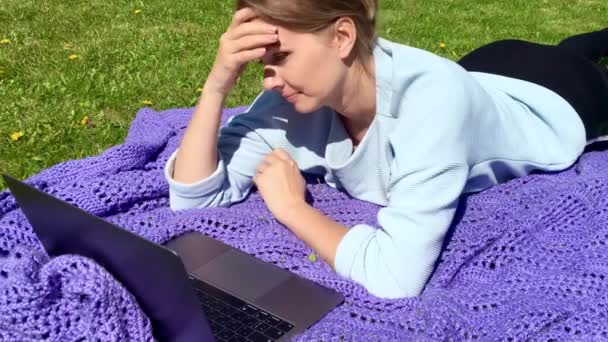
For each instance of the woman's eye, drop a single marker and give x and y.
(279, 57)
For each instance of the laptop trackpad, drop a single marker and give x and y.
(241, 274)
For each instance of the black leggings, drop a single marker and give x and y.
(570, 69)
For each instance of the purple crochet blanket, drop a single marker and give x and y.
(524, 260)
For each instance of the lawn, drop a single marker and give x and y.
(73, 74)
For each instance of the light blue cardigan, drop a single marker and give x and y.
(439, 131)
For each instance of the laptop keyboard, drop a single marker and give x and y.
(232, 319)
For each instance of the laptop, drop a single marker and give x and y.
(194, 288)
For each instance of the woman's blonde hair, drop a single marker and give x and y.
(315, 15)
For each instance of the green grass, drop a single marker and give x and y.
(164, 53)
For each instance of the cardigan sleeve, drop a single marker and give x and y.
(397, 259)
(428, 174)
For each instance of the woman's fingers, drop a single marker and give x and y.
(241, 16)
(249, 35)
(277, 156)
(251, 28)
(245, 40)
(271, 159)
(282, 154)
(247, 56)
(253, 42)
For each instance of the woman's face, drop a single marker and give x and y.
(305, 68)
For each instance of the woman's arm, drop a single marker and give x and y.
(396, 259)
(240, 148)
(318, 231)
(197, 156)
(196, 173)
(245, 40)
(393, 261)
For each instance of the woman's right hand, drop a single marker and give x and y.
(246, 39)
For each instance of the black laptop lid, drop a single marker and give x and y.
(153, 274)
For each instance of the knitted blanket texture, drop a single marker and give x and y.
(525, 260)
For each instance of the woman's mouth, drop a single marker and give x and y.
(291, 98)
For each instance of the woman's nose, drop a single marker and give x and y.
(272, 80)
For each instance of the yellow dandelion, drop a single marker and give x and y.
(442, 45)
(147, 102)
(17, 135)
(137, 11)
(312, 257)
(5, 41)
(73, 57)
(84, 121)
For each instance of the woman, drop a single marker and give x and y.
(389, 124)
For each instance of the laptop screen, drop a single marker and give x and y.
(153, 274)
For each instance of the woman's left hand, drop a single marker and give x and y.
(280, 183)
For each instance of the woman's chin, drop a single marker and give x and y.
(305, 107)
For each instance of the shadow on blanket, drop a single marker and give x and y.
(524, 260)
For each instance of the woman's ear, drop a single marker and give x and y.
(345, 36)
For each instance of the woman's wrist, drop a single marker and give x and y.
(210, 101)
(291, 212)
(212, 93)
(214, 87)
